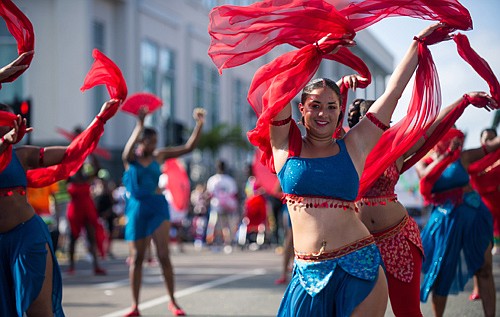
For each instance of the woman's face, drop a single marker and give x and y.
(148, 145)
(321, 111)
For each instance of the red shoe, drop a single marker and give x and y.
(474, 296)
(133, 313)
(176, 311)
(282, 280)
(99, 271)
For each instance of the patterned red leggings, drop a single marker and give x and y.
(405, 297)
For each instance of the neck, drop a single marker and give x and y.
(319, 142)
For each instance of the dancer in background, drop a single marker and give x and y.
(31, 279)
(397, 234)
(458, 237)
(147, 210)
(484, 177)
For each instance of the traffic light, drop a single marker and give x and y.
(23, 107)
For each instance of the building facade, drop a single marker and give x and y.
(161, 47)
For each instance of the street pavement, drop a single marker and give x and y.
(208, 283)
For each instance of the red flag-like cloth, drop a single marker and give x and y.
(178, 184)
(103, 71)
(22, 30)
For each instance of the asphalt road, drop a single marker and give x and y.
(207, 284)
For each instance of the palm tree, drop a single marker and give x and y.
(223, 135)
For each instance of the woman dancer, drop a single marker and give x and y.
(320, 178)
(147, 209)
(457, 239)
(31, 279)
(397, 234)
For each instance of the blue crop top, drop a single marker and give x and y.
(454, 176)
(13, 175)
(330, 177)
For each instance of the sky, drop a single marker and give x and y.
(455, 75)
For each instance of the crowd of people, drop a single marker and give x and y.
(355, 246)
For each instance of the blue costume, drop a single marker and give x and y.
(335, 282)
(455, 238)
(23, 255)
(145, 209)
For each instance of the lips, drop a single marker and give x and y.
(321, 122)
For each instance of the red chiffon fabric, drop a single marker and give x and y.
(178, 184)
(22, 30)
(422, 111)
(103, 71)
(484, 70)
(241, 34)
(427, 182)
(98, 151)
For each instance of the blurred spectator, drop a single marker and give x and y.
(42, 201)
(199, 200)
(223, 207)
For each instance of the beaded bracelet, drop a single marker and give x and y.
(416, 38)
(376, 121)
(281, 122)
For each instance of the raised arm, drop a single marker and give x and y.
(35, 157)
(176, 151)
(478, 99)
(14, 67)
(128, 152)
(366, 134)
(471, 155)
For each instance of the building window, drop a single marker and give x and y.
(99, 43)
(242, 108)
(8, 52)
(206, 92)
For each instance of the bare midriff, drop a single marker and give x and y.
(378, 217)
(317, 229)
(14, 211)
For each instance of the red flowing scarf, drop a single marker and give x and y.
(427, 182)
(103, 71)
(422, 111)
(485, 173)
(22, 30)
(484, 70)
(241, 34)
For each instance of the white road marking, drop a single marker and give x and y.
(188, 291)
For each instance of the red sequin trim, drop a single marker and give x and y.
(329, 255)
(376, 121)
(281, 122)
(376, 201)
(319, 202)
(7, 192)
